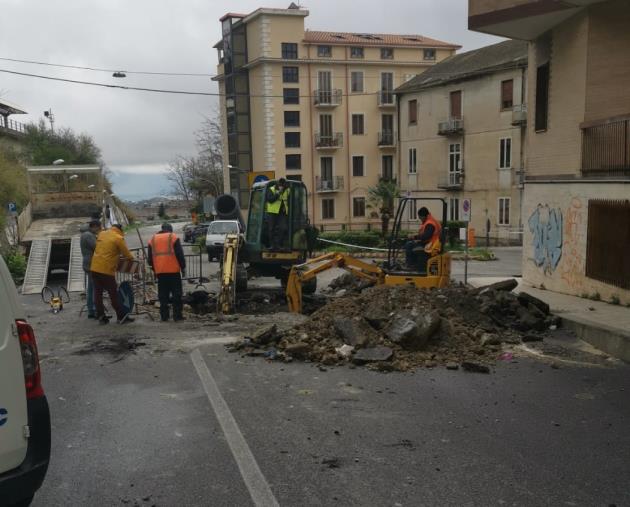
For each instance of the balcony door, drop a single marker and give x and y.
(387, 87)
(454, 163)
(387, 128)
(325, 129)
(326, 172)
(324, 85)
(456, 105)
(387, 167)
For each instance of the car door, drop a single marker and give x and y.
(13, 412)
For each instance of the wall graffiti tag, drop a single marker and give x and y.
(572, 269)
(545, 224)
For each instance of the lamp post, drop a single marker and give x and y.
(51, 118)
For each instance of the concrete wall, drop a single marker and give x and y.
(554, 245)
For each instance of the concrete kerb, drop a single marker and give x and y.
(614, 340)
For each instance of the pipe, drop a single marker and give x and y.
(227, 209)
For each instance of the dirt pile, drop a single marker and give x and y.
(400, 328)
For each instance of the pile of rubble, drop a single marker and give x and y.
(401, 328)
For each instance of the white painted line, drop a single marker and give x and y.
(254, 479)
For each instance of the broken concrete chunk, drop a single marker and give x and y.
(490, 339)
(373, 354)
(341, 292)
(507, 285)
(429, 324)
(266, 334)
(402, 329)
(345, 350)
(355, 332)
(527, 299)
(299, 349)
(452, 366)
(475, 367)
(532, 338)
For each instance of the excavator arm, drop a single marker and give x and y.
(227, 294)
(301, 273)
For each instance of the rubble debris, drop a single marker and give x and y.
(265, 335)
(452, 366)
(356, 332)
(503, 285)
(372, 354)
(475, 367)
(525, 299)
(345, 350)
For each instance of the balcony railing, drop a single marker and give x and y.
(332, 184)
(327, 98)
(11, 126)
(606, 149)
(387, 139)
(451, 181)
(452, 126)
(386, 99)
(328, 141)
(519, 115)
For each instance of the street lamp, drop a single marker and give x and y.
(51, 118)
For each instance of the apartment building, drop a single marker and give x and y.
(314, 106)
(577, 187)
(461, 137)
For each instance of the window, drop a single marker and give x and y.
(413, 210)
(292, 139)
(326, 168)
(324, 51)
(358, 206)
(358, 125)
(542, 96)
(294, 177)
(328, 208)
(413, 112)
(387, 53)
(289, 50)
(505, 153)
(387, 167)
(413, 160)
(453, 209)
(291, 95)
(507, 94)
(291, 118)
(454, 163)
(356, 52)
(504, 211)
(290, 75)
(456, 104)
(358, 166)
(293, 162)
(429, 54)
(356, 82)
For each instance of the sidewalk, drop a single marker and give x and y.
(605, 326)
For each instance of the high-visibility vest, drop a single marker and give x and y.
(163, 253)
(434, 245)
(275, 206)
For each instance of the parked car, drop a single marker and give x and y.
(188, 231)
(215, 237)
(24, 414)
(199, 231)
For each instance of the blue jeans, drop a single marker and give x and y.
(416, 259)
(89, 295)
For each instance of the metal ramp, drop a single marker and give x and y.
(76, 275)
(37, 267)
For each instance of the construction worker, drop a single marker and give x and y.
(166, 258)
(421, 247)
(89, 232)
(277, 210)
(110, 246)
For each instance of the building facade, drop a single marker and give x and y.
(461, 137)
(577, 185)
(314, 106)
(11, 132)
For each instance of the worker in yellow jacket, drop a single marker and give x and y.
(277, 211)
(110, 246)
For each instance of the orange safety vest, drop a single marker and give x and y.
(163, 253)
(433, 246)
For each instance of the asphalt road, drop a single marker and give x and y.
(161, 414)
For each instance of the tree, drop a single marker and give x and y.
(162, 210)
(13, 187)
(382, 197)
(43, 146)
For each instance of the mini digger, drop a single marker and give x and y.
(391, 272)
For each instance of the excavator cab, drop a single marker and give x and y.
(437, 272)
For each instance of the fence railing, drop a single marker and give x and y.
(332, 184)
(606, 149)
(13, 125)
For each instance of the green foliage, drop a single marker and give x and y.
(360, 238)
(16, 262)
(13, 183)
(382, 197)
(43, 146)
(596, 296)
(614, 299)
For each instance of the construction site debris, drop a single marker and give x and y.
(402, 328)
(503, 285)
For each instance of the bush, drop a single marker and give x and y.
(359, 238)
(16, 263)
(452, 232)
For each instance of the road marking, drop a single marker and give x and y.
(254, 479)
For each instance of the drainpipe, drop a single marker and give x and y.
(348, 136)
(522, 155)
(398, 146)
(312, 139)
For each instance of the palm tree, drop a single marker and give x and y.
(382, 197)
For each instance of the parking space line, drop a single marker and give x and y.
(254, 479)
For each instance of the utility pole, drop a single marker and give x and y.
(51, 118)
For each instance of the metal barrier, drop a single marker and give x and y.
(194, 262)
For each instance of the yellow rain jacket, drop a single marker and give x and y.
(110, 245)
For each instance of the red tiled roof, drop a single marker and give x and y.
(374, 39)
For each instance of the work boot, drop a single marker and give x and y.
(103, 320)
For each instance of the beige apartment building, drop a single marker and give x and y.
(462, 125)
(314, 106)
(577, 173)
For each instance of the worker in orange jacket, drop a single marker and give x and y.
(166, 258)
(425, 244)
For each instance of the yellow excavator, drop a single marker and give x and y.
(436, 274)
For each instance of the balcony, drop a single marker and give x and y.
(387, 139)
(11, 127)
(332, 184)
(328, 141)
(451, 127)
(606, 148)
(386, 99)
(327, 98)
(451, 181)
(519, 115)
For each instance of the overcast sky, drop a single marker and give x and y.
(141, 132)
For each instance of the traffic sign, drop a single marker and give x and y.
(256, 177)
(466, 210)
(12, 208)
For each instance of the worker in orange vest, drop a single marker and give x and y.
(425, 244)
(166, 258)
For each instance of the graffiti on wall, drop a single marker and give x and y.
(572, 269)
(545, 224)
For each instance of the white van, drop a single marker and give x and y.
(24, 414)
(215, 237)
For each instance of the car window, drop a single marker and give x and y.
(223, 227)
